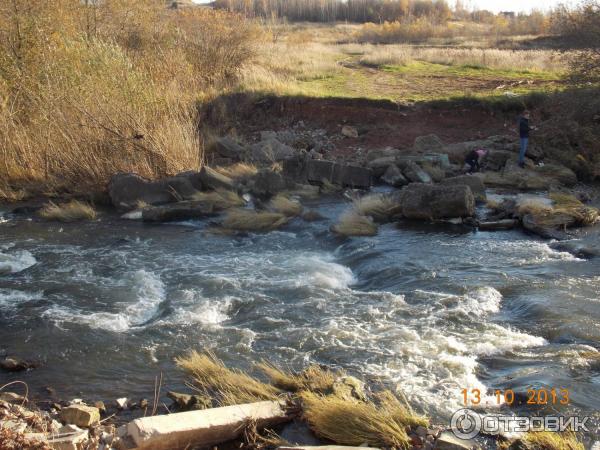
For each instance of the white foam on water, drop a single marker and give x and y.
(11, 298)
(320, 271)
(192, 307)
(149, 292)
(426, 347)
(16, 261)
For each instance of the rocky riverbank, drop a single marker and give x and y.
(260, 185)
(317, 408)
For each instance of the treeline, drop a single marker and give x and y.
(337, 10)
(377, 11)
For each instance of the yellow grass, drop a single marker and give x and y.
(353, 423)
(220, 199)
(570, 205)
(238, 171)
(353, 224)
(314, 378)
(400, 412)
(229, 387)
(546, 440)
(68, 212)
(533, 206)
(88, 92)
(282, 204)
(245, 220)
(380, 207)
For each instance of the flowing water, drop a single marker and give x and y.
(106, 306)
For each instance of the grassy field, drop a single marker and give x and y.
(319, 61)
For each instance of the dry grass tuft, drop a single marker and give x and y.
(353, 423)
(229, 387)
(353, 224)
(245, 220)
(313, 379)
(328, 188)
(68, 212)
(533, 206)
(220, 199)
(285, 206)
(380, 207)
(547, 440)
(571, 206)
(401, 412)
(238, 171)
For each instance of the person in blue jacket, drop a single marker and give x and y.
(524, 129)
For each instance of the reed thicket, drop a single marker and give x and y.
(88, 88)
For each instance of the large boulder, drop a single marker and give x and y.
(127, 189)
(393, 176)
(269, 151)
(428, 144)
(226, 147)
(212, 180)
(383, 153)
(549, 225)
(428, 202)
(379, 166)
(267, 183)
(496, 159)
(458, 151)
(414, 173)
(561, 174)
(318, 171)
(475, 183)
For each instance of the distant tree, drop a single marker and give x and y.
(580, 29)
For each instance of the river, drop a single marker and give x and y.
(106, 306)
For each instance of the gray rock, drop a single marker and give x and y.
(174, 212)
(339, 174)
(447, 441)
(562, 175)
(414, 173)
(439, 159)
(267, 183)
(127, 189)
(475, 183)
(270, 151)
(498, 225)
(380, 165)
(429, 202)
(430, 143)
(496, 159)
(80, 415)
(393, 176)
(227, 148)
(212, 180)
(15, 365)
(383, 153)
(11, 397)
(349, 131)
(548, 226)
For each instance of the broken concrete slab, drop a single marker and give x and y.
(178, 211)
(202, 428)
(80, 415)
(212, 180)
(126, 190)
(347, 175)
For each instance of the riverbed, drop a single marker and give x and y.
(105, 307)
